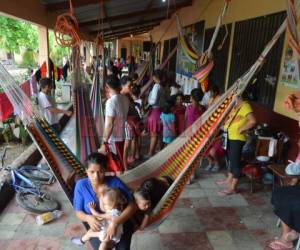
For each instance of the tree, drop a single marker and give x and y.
(15, 35)
(56, 51)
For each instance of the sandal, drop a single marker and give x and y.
(77, 241)
(226, 192)
(221, 182)
(292, 236)
(280, 245)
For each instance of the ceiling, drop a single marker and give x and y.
(119, 18)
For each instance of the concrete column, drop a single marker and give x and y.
(88, 54)
(43, 46)
(114, 49)
(94, 49)
(118, 49)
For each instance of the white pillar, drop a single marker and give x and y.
(43, 46)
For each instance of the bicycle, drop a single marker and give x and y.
(29, 194)
(27, 182)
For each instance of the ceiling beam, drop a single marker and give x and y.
(60, 6)
(129, 31)
(125, 35)
(138, 13)
(136, 24)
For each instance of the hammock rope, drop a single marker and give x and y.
(292, 22)
(66, 29)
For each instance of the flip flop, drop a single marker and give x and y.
(291, 236)
(77, 241)
(280, 245)
(226, 192)
(221, 182)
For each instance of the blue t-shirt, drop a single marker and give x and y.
(84, 193)
(168, 121)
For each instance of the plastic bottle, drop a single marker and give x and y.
(47, 217)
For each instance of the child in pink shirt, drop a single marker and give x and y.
(195, 109)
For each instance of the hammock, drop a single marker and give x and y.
(181, 157)
(178, 160)
(142, 71)
(96, 102)
(162, 66)
(292, 20)
(204, 61)
(86, 134)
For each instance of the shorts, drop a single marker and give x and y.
(129, 131)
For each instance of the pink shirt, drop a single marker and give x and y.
(298, 158)
(192, 114)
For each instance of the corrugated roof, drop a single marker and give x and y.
(119, 16)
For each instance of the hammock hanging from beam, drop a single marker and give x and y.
(87, 140)
(204, 61)
(96, 101)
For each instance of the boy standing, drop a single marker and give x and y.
(47, 106)
(116, 111)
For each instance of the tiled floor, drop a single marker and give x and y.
(200, 220)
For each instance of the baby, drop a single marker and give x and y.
(112, 203)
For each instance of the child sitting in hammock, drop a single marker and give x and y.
(149, 194)
(112, 204)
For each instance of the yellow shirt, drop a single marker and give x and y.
(239, 121)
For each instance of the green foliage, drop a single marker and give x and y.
(57, 52)
(29, 59)
(16, 34)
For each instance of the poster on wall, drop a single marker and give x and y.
(290, 71)
(185, 68)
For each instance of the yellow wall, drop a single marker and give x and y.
(209, 11)
(128, 44)
(238, 10)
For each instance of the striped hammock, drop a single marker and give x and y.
(87, 140)
(178, 160)
(204, 62)
(96, 102)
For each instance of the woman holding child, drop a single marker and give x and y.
(89, 190)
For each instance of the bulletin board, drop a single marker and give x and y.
(288, 81)
(184, 68)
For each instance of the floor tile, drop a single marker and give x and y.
(221, 218)
(221, 240)
(12, 218)
(195, 241)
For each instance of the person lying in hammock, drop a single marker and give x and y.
(149, 194)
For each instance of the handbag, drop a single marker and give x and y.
(114, 164)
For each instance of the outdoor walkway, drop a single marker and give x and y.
(201, 220)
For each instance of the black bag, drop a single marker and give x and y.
(224, 140)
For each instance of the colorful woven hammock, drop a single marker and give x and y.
(96, 103)
(178, 160)
(292, 19)
(87, 140)
(204, 61)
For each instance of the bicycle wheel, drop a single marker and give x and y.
(35, 204)
(37, 174)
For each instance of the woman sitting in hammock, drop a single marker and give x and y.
(149, 195)
(85, 193)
